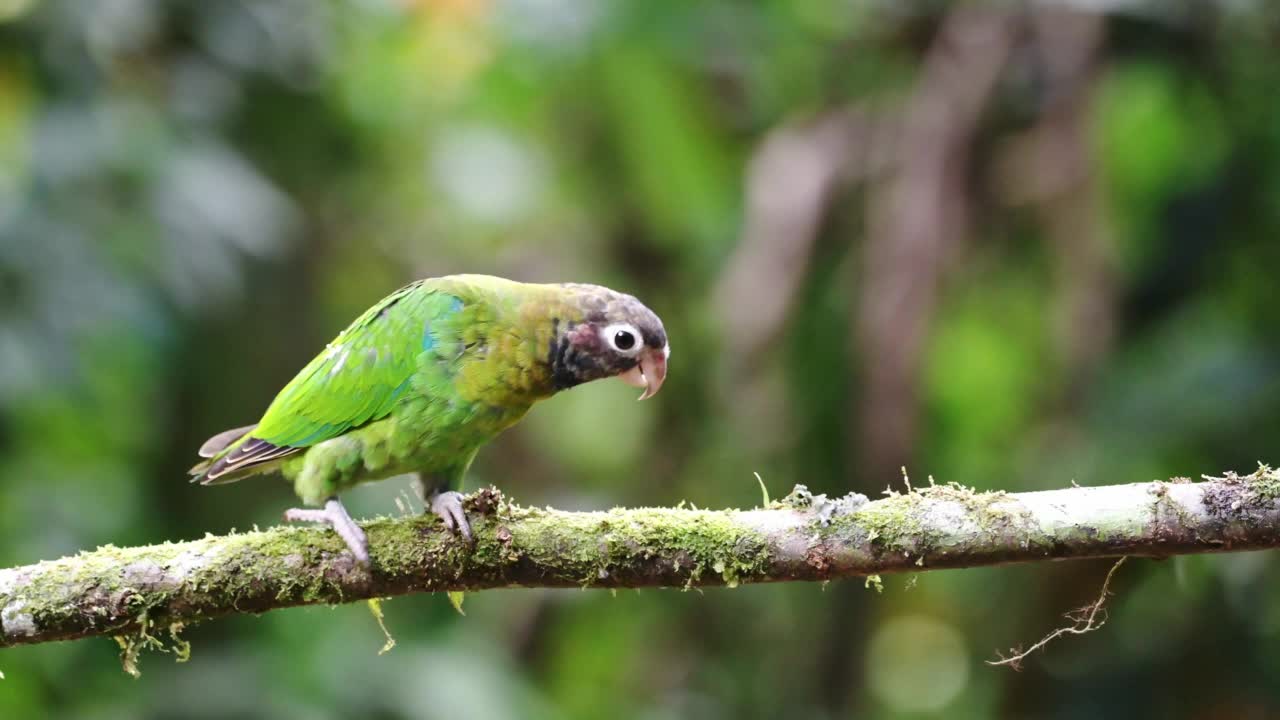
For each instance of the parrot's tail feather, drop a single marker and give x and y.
(249, 457)
(223, 440)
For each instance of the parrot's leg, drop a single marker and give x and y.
(446, 504)
(335, 515)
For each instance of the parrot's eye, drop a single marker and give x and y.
(623, 338)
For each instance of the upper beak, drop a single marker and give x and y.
(650, 373)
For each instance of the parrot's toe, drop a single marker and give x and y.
(335, 516)
(448, 506)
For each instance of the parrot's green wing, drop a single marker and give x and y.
(357, 379)
(361, 374)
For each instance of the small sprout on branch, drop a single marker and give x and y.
(764, 491)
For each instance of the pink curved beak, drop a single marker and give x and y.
(650, 373)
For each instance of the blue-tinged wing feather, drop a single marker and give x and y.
(358, 379)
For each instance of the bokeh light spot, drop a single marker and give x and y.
(916, 663)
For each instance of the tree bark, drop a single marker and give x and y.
(120, 591)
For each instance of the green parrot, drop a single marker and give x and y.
(424, 378)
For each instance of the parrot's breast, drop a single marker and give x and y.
(434, 436)
(423, 435)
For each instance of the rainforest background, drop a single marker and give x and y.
(1009, 245)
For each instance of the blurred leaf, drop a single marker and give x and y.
(676, 162)
(1158, 133)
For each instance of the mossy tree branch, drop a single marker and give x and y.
(114, 591)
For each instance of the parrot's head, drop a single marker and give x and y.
(608, 334)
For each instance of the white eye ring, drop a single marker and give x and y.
(616, 335)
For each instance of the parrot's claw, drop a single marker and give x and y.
(448, 506)
(335, 516)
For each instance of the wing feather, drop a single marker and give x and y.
(357, 379)
(252, 452)
(223, 440)
(339, 390)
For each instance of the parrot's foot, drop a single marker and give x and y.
(448, 506)
(335, 516)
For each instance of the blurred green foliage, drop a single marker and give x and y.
(195, 196)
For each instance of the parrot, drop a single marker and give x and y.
(423, 379)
